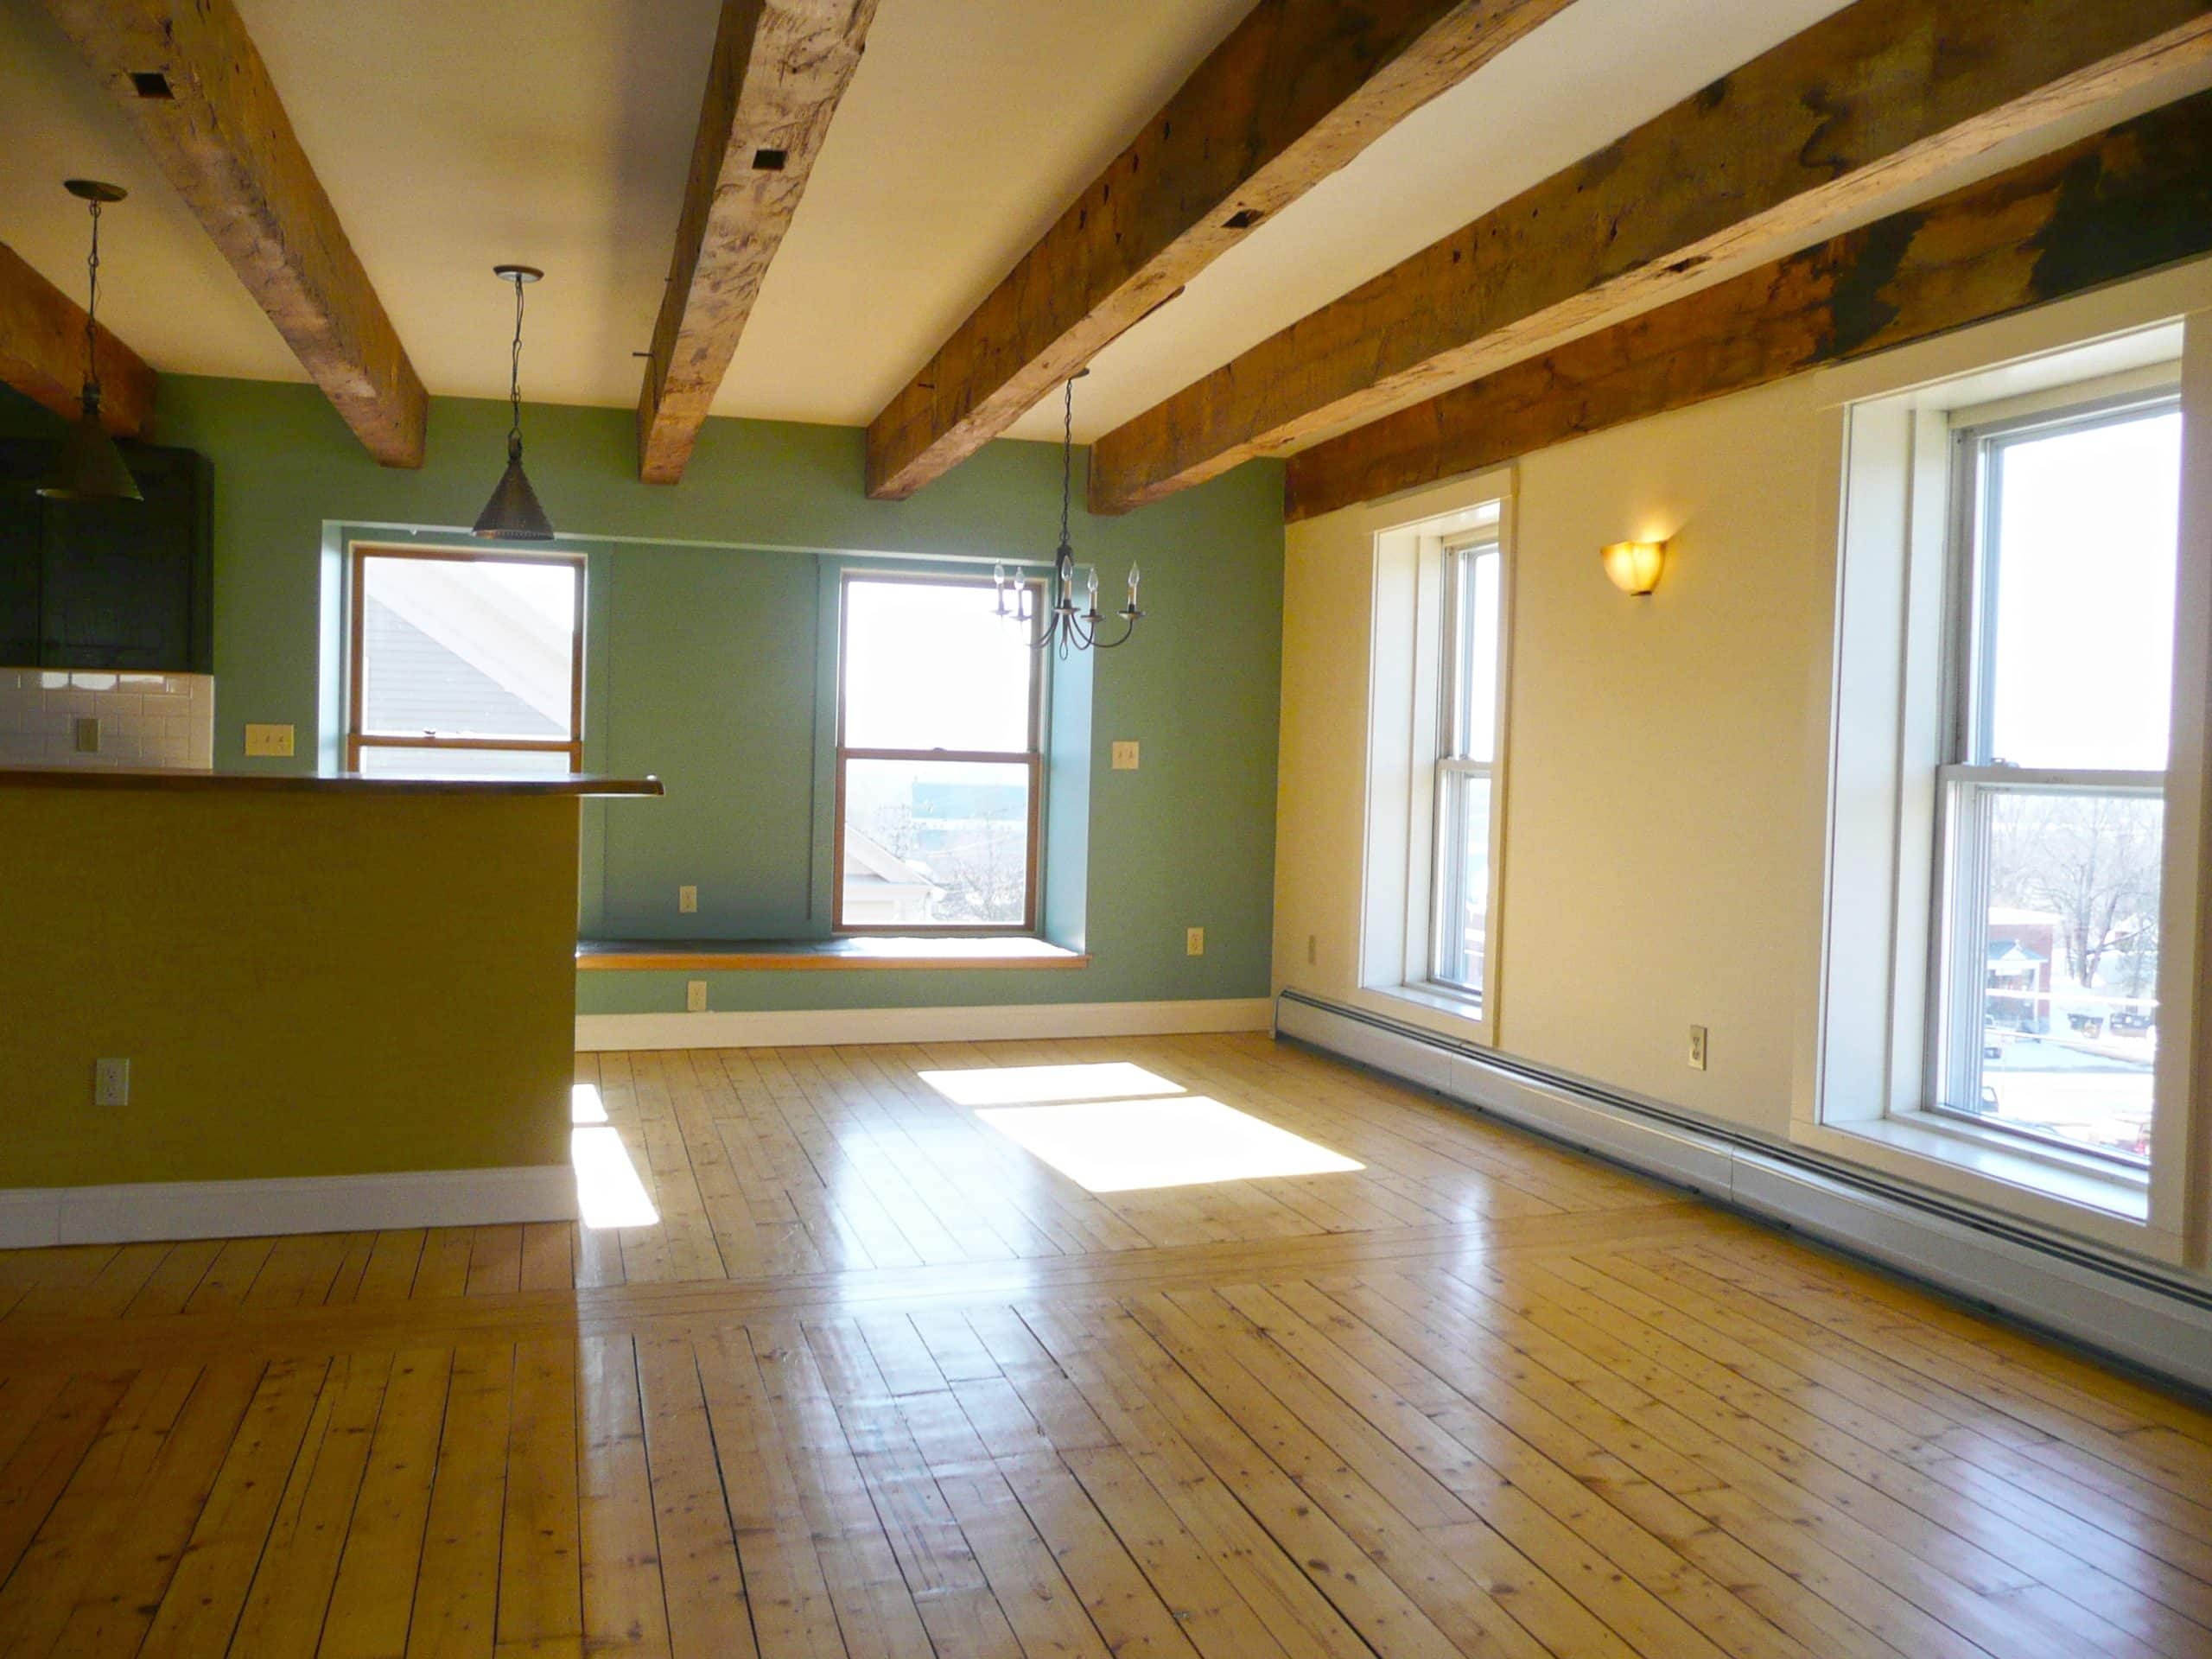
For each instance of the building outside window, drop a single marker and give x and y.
(939, 757)
(1466, 729)
(2059, 676)
(465, 662)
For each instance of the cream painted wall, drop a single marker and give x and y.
(1667, 757)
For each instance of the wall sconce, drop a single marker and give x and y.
(1634, 566)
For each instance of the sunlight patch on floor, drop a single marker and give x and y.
(608, 1190)
(584, 1104)
(1034, 1085)
(1130, 1146)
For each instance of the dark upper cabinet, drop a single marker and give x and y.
(108, 584)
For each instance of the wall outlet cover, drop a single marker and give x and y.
(1125, 755)
(270, 741)
(687, 900)
(1194, 941)
(1697, 1048)
(695, 996)
(111, 1083)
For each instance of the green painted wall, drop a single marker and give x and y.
(702, 667)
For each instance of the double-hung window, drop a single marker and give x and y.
(466, 662)
(2051, 792)
(940, 762)
(1466, 728)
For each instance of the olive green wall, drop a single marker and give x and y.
(305, 984)
(702, 666)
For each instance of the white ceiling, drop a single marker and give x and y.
(557, 132)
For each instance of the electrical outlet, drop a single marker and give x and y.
(695, 996)
(1697, 1048)
(1194, 941)
(88, 733)
(1125, 756)
(111, 1083)
(266, 742)
(1312, 949)
(687, 900)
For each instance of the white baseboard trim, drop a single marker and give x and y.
(2134, 1311)
(327, 1204)
(810, 1027)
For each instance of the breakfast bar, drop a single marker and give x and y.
(304, 975)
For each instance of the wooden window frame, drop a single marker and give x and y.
(357, 739)
(1032, 757)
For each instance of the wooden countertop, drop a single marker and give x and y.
(294, 783)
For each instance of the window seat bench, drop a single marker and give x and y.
(853, 951)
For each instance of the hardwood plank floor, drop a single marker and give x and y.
(879, 1381)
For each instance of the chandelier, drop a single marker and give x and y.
(1062, 628)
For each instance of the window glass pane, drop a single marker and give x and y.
(935, 843)
(2068, 953)
(379, 761)
(1463, 879)
(1477, 656)
(932, 666)
(468, 648)
(2082, 531)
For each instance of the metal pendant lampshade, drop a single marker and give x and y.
(513, 513)
(92, 467)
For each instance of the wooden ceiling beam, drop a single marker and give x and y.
(778, 70)
(43, 353)
(187, 74)
(2125, 202)
(1874, 98)
(1297, 90)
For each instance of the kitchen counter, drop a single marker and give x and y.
(337, 783)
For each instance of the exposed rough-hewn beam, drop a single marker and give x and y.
(43, 353)
(1298, 89)
(2110, 208)
(188, 75)
(778, 70)
(1876, 97)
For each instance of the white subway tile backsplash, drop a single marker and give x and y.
(146, 720)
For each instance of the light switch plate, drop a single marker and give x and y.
(1125, 756)
(88, 733)
(687, 900)
(273, 742)
(111, 1083)
(1194, 941)
(695, 996)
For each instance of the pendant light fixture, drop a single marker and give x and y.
(1065, 627)
(91, 467)
(512, 514)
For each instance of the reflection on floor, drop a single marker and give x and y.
(876, 1380)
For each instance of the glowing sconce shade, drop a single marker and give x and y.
(1634, 566)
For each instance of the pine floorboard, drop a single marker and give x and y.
(879, 1383)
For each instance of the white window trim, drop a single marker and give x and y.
(1405, 758)
(1966, 784)
(1864, 1086)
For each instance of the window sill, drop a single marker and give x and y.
(1458, 1017)
(1990, 1156)
(853, 952)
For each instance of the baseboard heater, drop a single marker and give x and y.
(2128, 1309)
